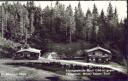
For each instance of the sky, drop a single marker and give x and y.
(120, 5)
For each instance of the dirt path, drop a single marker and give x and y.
(22, 73)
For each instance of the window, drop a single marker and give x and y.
(106, 54)
(98, 53)
(106, 59)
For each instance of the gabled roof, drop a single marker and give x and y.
(30, 50)
(96, 48)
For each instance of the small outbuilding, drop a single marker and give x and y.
(51, 55)
(98, 55)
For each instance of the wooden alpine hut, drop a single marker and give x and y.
(98, 55)
(28, 53)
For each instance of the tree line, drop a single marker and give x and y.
(27, 23)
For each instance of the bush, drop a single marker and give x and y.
(7, 48)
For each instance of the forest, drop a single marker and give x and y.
(37, 27)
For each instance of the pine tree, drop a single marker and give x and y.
(95, 27)
(79, 19)
(109, 22)
(60, 22)
(101, 36)
(110, 11)
(31, 9)
(112, 20)
(88, 26)
(70, 23)
(2, 22)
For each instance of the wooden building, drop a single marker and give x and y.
(28, 53)
(98, 55)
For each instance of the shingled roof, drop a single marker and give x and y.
(96, 48)
(30, 50)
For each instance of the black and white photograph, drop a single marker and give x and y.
(63, 41)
